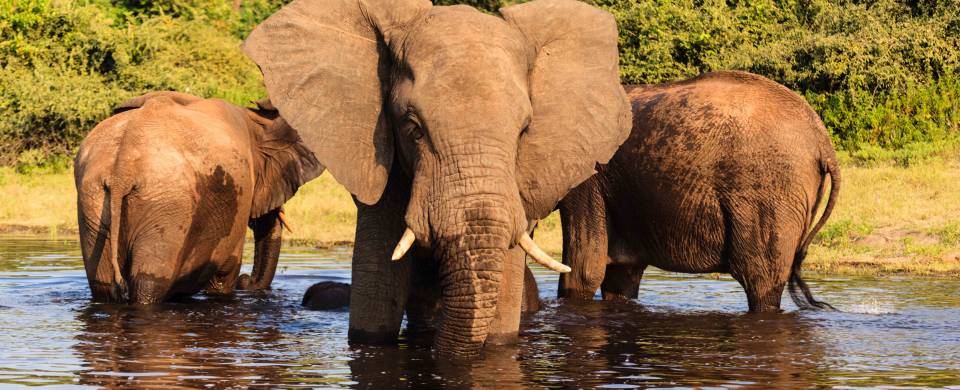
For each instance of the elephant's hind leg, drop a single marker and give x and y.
(759, 254)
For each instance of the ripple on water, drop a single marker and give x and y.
(683, 331)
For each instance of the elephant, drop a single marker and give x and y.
(167, 186)
(722, 173)
(326, 296)
(443, 123)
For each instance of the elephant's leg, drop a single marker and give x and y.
(531, 293)
(506, 323)
(224, 280)
(380, 286)
(622, 282)
(760, 257)
(585, 241)
(763, 290)
(424, 303)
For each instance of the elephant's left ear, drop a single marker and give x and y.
(580, 113)
(282, 164)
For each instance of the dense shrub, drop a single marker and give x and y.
(67, 63)
(882, 73)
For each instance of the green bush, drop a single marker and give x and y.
(68, 63)
(883, 74)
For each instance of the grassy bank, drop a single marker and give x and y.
(890, 218)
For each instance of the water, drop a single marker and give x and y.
(684, 332)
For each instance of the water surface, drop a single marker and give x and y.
(684, 331)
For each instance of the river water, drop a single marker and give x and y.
(684, 331)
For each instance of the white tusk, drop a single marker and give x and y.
(540, 256)
(283, 222)
(406, 241)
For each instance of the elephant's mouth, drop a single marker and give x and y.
(471, 272)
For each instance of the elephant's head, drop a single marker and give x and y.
(492, 119)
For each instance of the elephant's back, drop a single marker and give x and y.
(722, 122)
(705, 148)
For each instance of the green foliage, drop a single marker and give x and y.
(883, 74)
(949, 234)
(37, 162)
(842, 233)
(68, 63)
(880, 72)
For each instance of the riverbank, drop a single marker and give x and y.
(889, 220)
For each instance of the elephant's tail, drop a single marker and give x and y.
(803, 298)
(116, 192)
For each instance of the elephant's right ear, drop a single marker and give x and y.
(282, 164)
(325, 64)
(137, 102)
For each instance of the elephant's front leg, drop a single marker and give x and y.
(506, 323)
(423, 306)
(380, 286)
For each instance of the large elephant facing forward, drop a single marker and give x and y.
(721, 173)
(445, 124)
(167, 187)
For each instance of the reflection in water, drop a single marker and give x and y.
(688, 332)
(186, 344)
(632, 345)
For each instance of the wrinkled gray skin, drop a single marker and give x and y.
(446, 121)
(721, 173)
(166, 188)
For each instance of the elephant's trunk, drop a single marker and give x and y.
(267, 234)
(471, 268)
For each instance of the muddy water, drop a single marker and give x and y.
(683, 332)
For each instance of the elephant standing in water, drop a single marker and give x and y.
(445, 124)
(167, 187)
(722, 173)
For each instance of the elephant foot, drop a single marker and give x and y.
(244, 282)
(506, 338)
(327, 296)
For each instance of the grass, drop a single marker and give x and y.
(891, 218)
(894, 219)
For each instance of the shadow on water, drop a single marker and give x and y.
(689, 332)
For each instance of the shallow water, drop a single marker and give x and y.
(683, 332)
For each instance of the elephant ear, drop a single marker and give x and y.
(325, 64)
(137, 102)
(282, 163)
(580, 113)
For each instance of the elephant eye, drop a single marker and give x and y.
(412, 129)
(416, 133)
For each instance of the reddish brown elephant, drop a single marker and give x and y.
(722, 173)
(166, 189)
